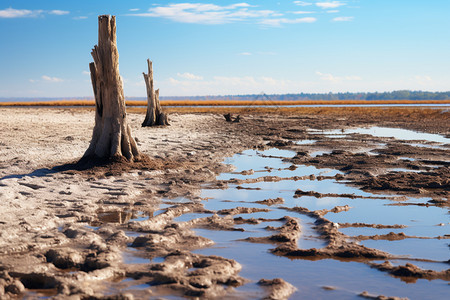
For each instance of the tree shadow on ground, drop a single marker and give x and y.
(94, 167)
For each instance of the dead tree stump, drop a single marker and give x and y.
(111, 137)
(229, 118)
(155, 115)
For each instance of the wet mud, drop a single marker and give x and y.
(131, 231)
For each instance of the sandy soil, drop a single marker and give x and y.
(63, 231)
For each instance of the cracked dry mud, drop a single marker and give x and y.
(96, 233)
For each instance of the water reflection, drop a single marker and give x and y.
(397, 133)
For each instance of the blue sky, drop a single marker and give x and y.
(229, 47)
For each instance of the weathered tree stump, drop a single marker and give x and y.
(155, 115)
(111, 137)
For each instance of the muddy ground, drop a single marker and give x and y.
(63, 231)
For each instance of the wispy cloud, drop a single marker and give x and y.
(134, 9)
(302, 12)
(343, 19)
(189, 76)
(80, 18)
(51, 79)
(19, 13)
(330, 4)
(302, 3)
(59, 12)
(202, 13)
(245, 53)
(279, 21)
(337, 79)
(11, 13)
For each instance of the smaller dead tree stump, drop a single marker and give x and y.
(155, 116)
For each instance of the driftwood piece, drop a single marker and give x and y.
(229, 118)
(154, 115)
(111, 137)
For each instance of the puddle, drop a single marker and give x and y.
(306, 142)
(125, 216)
(309, 276)
(262, 165)
(431, 249)
(118, 216)
(403, 170)
(319, 153)
(133, 233)
(258, 160)
(407, 158)
(397, 133)
(40, 294)
(132, 256)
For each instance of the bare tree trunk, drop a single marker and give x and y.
(111, 137)
(155, 115)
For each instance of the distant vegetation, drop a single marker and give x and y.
(395, 95)
(262, 97)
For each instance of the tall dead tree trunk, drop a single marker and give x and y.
(155, 115)
(111, 137)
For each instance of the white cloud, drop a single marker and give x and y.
(343, 19)
(332, 11)
(245, 53)
(11, 13)
(301, 12)
(80, 18)
(59, 12)
(19, 13)
(330, 4)
(302, 3)
(337, 79)
(189, 76)
(134, 9)
(51, 79)
(86, 73)
(202, 13)
(280, 21)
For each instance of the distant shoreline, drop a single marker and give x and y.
(400, 95)
(233, 102)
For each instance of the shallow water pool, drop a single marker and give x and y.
(325, 278)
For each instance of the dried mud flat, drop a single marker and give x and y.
(65, 233)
